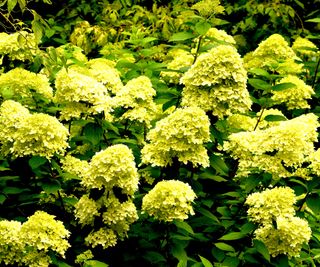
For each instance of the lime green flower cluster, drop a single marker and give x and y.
(18, 46)
(275, 149)
(22, 85)
(207, 8)
(179, 59)
(27, 244)
(137, 97)
(23, 134)
(279, 228)
(181, 135)
(217, 36)
(274, 54)
(108, 169)
(305, 48)
(294, 97)
(169, 200)
(216, 82)
(80, 92)
(84, 256)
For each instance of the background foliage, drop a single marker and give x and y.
(139, 39)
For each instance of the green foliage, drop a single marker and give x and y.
(115, 70)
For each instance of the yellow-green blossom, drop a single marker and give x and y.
(216, 36)
(84, 256)
(44, 232)
(18, 46)
(86, 209)
(296, 96)
(275, 149)
(180, 135)
(216, 82)
(288, 236)
(274, 54)
(266, 206)
(180, 59)
(207, 8)
(23, 86)
(75, 166)
(305, 48)
(104, 237)
(114, 166)
(41, 135)
(169, 200)
(137, 96)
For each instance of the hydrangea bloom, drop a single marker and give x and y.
(270, 204)
(104, 237)
(86, 209)
(41, 135)
(18, 46)
(24, 134)
(114, 166)
(43, 232)
(28, 243)
(216, 82)
(207, 8)
(180, 59)
(274, 54)
(294, 97)
(169, 200)
(275, 149)
(21, 85)
(137, 96)
(305, 48)
(84, 256)
(181, 135)
(75, 166)
(217, 35)
(287, 238)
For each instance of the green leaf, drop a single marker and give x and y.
(313, 201)
(185, 226)
(36, 161)
(259, 84)
(231, 262)
(181, 36)
(202, 27)
(93, 132)
(154, 257)
(22, 4)
(11, 4)
(94, 263)
(205, 262)
(232, 236)
(168, 104)
(2, 198)
(224, 246)
(208, 214)
(275, 118)
(316, 20)
(283, 86)
(218, 164)
(51, 187)
(260, 72)
(210, 176)
(262, 249)
(14, 190)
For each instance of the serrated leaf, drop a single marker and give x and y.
(205, 262)
(262, 249)
(283, 86)
(94, 263)
(11, 4)
(181, 36)
(208, 214)
(14, 190)
(185, 226)
(218, 164)
(259, 84)
(93, 132)
(275, 118)
(224, 246)
(51, 187)
(154, 257)
(232, 236)
(213, 177)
